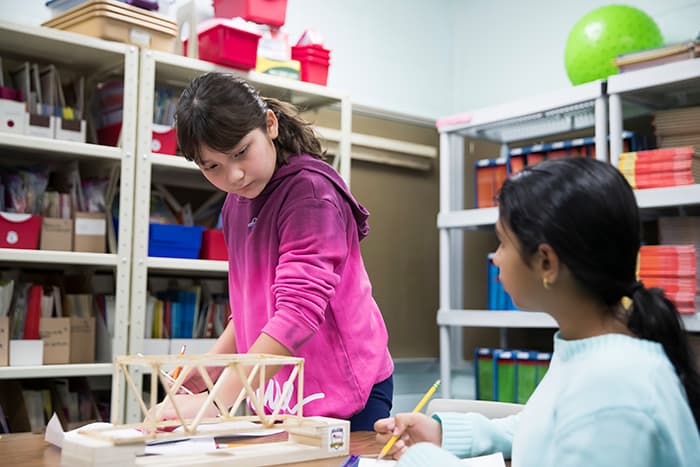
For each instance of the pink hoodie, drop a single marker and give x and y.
(296, 273)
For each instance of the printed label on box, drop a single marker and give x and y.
(85, 226)
(139, 37)
(26, 352)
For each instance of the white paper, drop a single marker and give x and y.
(200, 443)
(238, 428)
(491, 460)
(54, 431)
(186, 446)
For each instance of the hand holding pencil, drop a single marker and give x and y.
(409, 428)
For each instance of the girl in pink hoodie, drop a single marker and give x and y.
(297, 282)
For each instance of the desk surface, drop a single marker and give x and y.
(30, 450)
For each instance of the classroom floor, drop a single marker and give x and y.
(413, 378)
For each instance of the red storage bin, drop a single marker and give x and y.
(314, 70)
(270, 12)
(109, 135)
(213, 245)
(164, 139)
(19, 230)
(222, 43)
(315, 60)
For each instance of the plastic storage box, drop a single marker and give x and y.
(272, 12)
(164, 139)
(314, 60)
(174, 241)
(223, 43)
(19, 230)
(213, 245)
(117, 21)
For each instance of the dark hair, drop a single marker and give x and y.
(216, 110)
(586, 211)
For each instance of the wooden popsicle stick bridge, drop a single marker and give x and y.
(119, 444)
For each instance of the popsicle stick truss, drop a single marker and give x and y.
(245, 367)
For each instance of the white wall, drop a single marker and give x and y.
(433, 58)
(508, 49)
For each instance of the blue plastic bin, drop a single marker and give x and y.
(174, 241)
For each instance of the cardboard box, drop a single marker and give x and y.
(82, 340)
(89, 232)
(26, 352)
(55, 332)
(56, 234)
(4, 340)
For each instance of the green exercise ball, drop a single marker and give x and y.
(602, 35)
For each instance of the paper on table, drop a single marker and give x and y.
(185, 446)
(491, 460)
(55, 434)
(239, 428)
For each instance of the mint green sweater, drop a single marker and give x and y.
(609, 400)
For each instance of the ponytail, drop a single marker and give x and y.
(295, 135)
(654, 317)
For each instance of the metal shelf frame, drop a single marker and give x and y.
(93, 57)
(659, 87)
(575, 108)
(169, 69)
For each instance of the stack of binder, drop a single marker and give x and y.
(656, 168)
(120, 22)
(672, 268)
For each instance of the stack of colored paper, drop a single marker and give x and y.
(657, 168)
(672, 268)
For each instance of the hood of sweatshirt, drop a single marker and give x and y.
(307, 162)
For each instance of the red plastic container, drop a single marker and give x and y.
(109, 135)
(314, 70)
(226, 45)
(315, 60)
(19, 230)
(213, 245)
(311, 50)
(270, 12)
(164, 140)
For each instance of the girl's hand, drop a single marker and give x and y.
(187, 404)
(412, 428)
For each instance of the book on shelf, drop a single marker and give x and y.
(662, 167)
(672, 268)
(658, 56)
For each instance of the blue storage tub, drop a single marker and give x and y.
(174, 241)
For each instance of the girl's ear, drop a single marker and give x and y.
(547, 263)
(272, 124)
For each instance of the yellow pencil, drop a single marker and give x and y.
(178, 369)
(418, 408)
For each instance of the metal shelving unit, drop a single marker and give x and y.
(641, 92)
(92, 57)
(571, 109)
(629, 94)
(178, 71)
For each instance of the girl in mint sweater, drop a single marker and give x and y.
(623, 387)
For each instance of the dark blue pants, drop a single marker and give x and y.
(378, 406)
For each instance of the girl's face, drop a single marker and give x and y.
(518, 279)
(246, 169)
